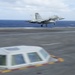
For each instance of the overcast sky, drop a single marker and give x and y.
(25, 9)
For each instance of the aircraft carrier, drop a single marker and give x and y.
(56, 41)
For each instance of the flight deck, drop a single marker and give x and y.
(59, 42)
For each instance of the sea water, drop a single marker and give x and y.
(23, 23)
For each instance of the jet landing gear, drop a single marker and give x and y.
(42, 25)
(46, 25)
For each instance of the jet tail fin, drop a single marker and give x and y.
(38, 17)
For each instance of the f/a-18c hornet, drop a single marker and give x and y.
(38, 19)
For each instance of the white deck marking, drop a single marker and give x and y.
(50, 44)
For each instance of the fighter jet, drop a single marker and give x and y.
(38, 19)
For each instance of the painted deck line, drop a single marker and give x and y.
(50, 44)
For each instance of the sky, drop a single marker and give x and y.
(25, 9)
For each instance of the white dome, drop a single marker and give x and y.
(20, 56)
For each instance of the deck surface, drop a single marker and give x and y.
(59, 42)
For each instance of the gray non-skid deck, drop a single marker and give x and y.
(59, 42)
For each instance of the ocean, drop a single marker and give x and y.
(23, 23)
